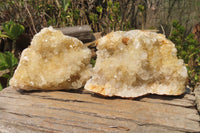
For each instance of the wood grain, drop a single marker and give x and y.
(68, 111)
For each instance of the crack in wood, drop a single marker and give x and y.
(20, 114)
(168, 127)
(63, 100)
(139, 123)
(73, 125)
(11, 97)
(40, 127)
(53, 122)
(190, 106)
(120, 127)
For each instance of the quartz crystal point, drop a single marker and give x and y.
(53, 62)
(136, 63)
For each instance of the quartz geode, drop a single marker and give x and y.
(53, 62)
(136, 63)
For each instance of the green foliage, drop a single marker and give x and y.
(116, 7)
(3, 35)
(103, 16)
(1, 87)
(141, 8)
(99, 9)
(93, 62)
(13, 30)
(188, 50)
(109, 4)
(76, 14)
(114, 16)
(8, 61)
(93, 17)
(66, 4)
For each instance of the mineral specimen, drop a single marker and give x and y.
(53, 62)
(136, 63)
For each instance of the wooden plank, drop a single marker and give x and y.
(68, 111)
(83, 33)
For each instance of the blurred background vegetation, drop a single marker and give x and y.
(179, 20)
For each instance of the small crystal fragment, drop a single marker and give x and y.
(147, 64)
(53, 62)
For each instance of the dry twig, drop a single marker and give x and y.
(30, 17)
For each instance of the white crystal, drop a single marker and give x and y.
(58, 64)
(146, 64)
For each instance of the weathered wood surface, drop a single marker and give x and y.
(62, 111)
(83, 33)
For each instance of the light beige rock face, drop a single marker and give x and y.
(136, 63)
(53, 62)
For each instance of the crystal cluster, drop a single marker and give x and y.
(136, 63)
(53, 62)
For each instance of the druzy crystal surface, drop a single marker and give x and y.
(136, 63)
(53, 62)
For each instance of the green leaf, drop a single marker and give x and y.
(66, 4)
(175, 23)
(1, 87)
(3, 63)
(13, 30)
(141, 8)
(99, 9)
(93, 62)
(196, 77)
(111, 18)
(116, 4)
(2, 35)
(183, 53)
(115, 9)
(76, 14)
(7, 61)
(93, 17)
(188, 50)
(6, 76)
(109, 3)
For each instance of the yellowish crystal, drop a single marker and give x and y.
(53, 62)
(136, 63)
